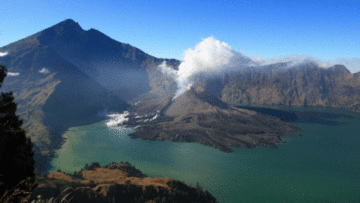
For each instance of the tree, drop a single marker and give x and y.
(198, 187)
(86, 166)
(94, 165)
(16, 154)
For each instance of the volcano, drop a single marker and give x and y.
(198, 116)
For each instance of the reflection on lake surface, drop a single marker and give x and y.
(323, 165)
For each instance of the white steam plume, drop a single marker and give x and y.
(167, 70)
(209, 58)
(118, 119)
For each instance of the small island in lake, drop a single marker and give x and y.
(198, 116)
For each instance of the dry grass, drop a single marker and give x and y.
(20, 193)
(65, 193)
(106, 175)
(102, 177)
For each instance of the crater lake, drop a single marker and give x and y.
(323, 165)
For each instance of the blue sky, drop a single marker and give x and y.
(326, 30)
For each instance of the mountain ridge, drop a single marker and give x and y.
(132, 74)
(302, 85)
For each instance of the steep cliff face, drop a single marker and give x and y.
(303, 85)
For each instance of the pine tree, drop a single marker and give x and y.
(16, 154)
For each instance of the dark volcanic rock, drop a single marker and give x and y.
(198, 116)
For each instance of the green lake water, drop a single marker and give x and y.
(323, 165)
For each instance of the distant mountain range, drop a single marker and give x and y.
(67, 76)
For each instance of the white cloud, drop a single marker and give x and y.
(3, 54)
(294, 60)
(12, 74)
(44, 71)
(257, 59)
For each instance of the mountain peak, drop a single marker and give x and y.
(67, 25)
(194, 100)
(68, 22)
(205, 96)
(338, 68)
(67, 30)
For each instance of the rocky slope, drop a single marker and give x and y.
(198, 116)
